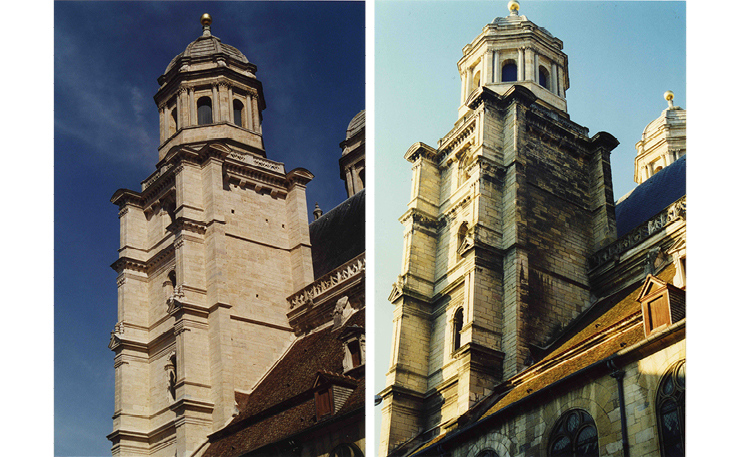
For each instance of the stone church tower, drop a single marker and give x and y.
(210, 248)
(503, 216)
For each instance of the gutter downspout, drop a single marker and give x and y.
(618, 374)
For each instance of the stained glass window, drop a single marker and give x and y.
(670, 405)
(487, 453)
(574, 435)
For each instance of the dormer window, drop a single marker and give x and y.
(238, 111)
(354, 350)
(205, 111)
(331, 391)
(353, 341)
(662, 304)
(324, 403)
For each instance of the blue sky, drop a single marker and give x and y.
(107, 58)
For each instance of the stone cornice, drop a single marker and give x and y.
(420, 150)
(420, 218)
(125, 197)
(299, 176)
(675, 211)
(127, 263)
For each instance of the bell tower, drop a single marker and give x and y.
(210, 247)
(513, 50)
(504, 213)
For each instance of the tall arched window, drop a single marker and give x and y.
(574, 434)
(173, 122)
(544, 78)
(670, 409)
(457, 323)
(508, 71)
(238, 110)
(205, 112)
(462, 232)
(476, 80)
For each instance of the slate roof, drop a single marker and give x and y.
(283, 404)
(651, 197)
(338, 236)
(599, 339)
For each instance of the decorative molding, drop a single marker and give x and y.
(127, 263)
(326, 283)
(674, 212)
(458, 139)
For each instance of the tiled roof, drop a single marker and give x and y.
(614, 330)
(339, 235)
(576, 353)
(283, 403)
(652, 196)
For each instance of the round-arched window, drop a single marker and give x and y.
(476, 80)
(205, 112)
(508, 71)
(544, 78)
(671, 413)
(574, 434)
(173, 122)
(487, 453)
(238, 110)
(346, 450)
(457, 329)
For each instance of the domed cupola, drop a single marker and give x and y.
(352, 162)
(210, 92)
(663, 141)
(512, 50)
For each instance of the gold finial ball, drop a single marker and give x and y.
(513, 5)
(206, 19)
(668, 95)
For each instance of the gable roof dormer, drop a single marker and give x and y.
(663, 304)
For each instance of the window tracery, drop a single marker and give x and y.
(670, 411)
(574, 435)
